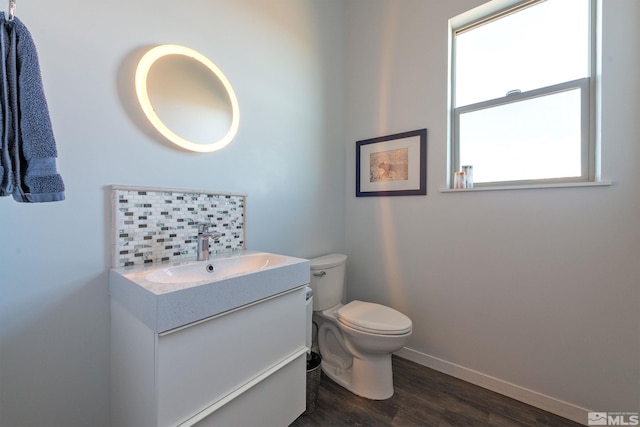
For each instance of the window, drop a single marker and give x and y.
(522, 88)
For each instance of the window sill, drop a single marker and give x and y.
(528, 187)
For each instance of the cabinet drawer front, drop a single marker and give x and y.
(201, 364)
(260, 406)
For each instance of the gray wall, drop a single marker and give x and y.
(536, 288)
(284, 58)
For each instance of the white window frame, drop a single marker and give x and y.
(589, 142)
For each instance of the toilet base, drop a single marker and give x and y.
(371, 378)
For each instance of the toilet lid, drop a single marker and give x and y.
(374, 318)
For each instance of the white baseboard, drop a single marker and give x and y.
(530, 397)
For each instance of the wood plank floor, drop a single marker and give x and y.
(424, 397)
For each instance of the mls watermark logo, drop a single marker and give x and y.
(613, 419)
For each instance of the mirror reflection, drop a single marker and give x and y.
(189, 99)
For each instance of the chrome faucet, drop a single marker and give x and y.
(203, 241)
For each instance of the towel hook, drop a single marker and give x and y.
(12, 9)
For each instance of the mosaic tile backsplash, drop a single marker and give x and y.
(158, 225)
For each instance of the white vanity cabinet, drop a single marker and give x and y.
(242, 367)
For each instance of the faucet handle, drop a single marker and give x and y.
(203, 227)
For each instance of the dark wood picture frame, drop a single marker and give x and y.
(392, 165)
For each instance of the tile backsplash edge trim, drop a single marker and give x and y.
(172, 190)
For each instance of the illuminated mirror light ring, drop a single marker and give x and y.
(142, 72)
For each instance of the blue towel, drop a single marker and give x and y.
(28, 153)
(7, 181)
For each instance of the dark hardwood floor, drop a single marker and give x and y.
(423, 397)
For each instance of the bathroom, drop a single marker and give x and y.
(535, 291)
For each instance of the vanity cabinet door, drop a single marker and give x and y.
(202, 363)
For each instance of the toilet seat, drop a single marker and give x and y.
(373, 318)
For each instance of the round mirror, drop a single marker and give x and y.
(187, 98)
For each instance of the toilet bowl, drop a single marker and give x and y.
(355, 340)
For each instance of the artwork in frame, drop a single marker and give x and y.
(392, 165)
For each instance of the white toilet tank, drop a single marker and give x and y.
(327, 280)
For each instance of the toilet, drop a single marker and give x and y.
(356, 339)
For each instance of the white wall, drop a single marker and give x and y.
(547, 294)
(285, 60)
(537, 288)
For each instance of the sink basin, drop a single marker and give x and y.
(216, 269)
(165, 297)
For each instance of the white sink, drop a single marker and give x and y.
(168, 296)
(216, 268)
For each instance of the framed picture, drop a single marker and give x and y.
(393, 165)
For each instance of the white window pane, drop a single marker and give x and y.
(536, 47)
(539, 138)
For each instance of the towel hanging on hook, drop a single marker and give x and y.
(27, 145)
(12, 9)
